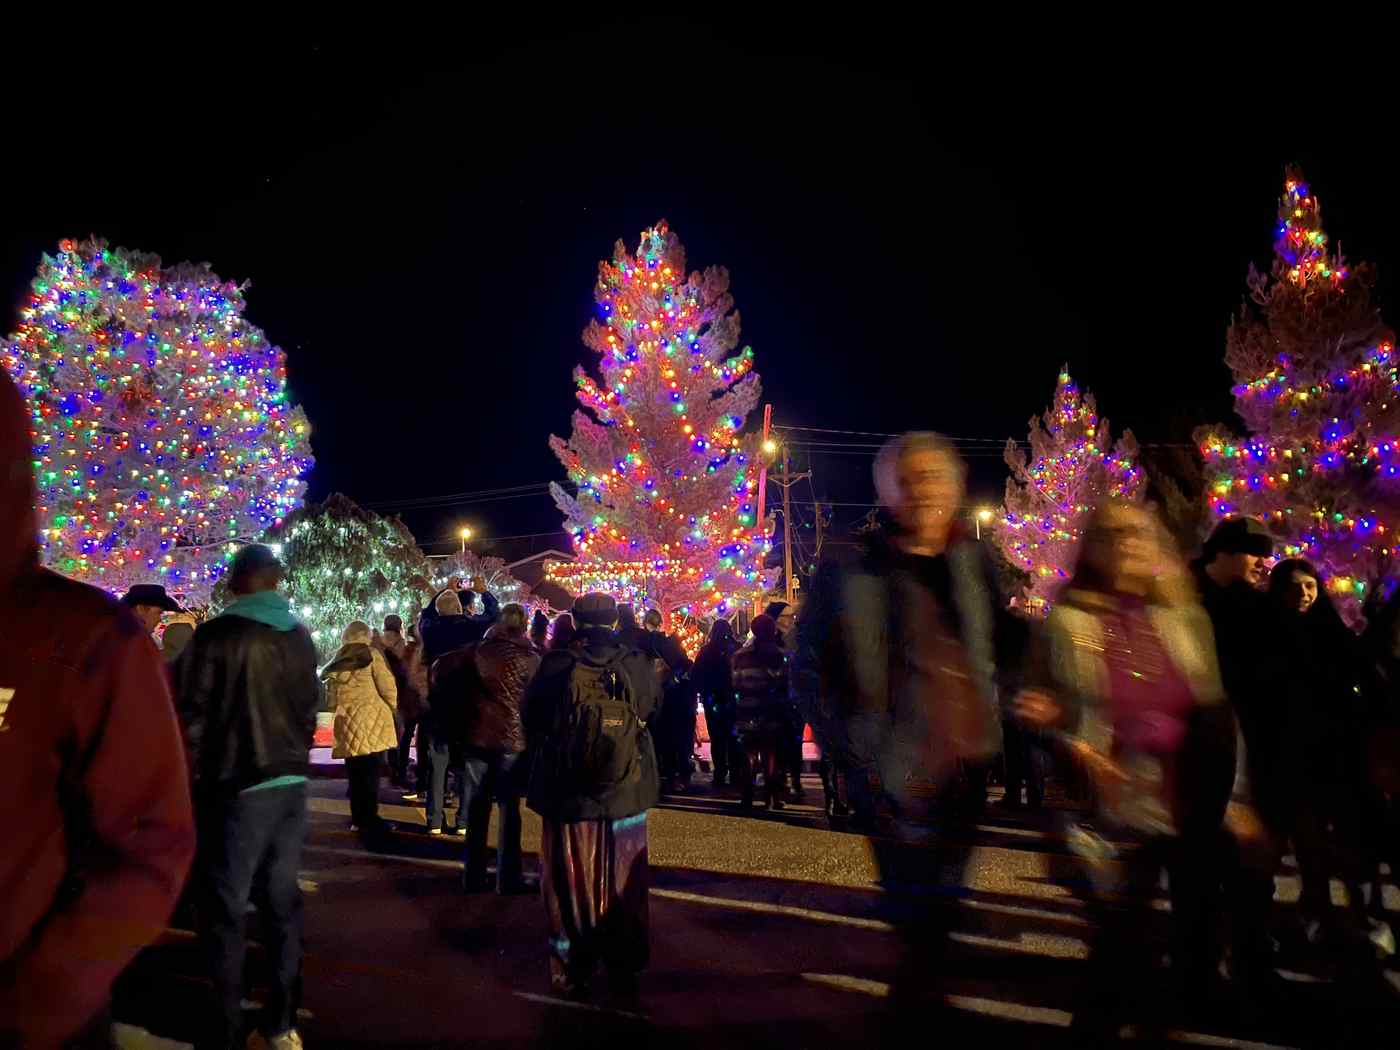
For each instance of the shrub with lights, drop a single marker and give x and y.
(1317, 386)
(346, 563)
(1073, 466)
(664, 510)
(161, 423)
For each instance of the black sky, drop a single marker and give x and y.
(919, 230)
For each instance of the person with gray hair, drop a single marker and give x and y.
(895, 661)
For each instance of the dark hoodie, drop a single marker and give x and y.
(98, 830)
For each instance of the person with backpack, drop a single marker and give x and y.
(593, 779)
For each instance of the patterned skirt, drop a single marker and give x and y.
(594, 879)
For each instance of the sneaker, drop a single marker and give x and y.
(412, 796)
(288, 1040)
(461, 833)
(435, 831)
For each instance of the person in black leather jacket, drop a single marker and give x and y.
(247, 697)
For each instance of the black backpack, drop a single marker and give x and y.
(597, 734)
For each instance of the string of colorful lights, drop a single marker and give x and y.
(161, 424)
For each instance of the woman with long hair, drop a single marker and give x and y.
(1130, 680)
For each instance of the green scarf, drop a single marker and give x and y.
(266, 607)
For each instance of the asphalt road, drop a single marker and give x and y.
(766, 931)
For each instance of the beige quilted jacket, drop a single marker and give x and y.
(364, 696)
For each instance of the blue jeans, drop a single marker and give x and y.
(439, 758)
(250, 848)
(488, 773)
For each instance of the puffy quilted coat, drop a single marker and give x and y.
(361, 688)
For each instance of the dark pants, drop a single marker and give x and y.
(719, 720)
(401, 753)
(440, 762)
(1121, 959)
(486, 774)
(759, 746)
(675, 738)
(790, 749)
(1024, 763)
(250, 848)
(364, 772)
(922, 867)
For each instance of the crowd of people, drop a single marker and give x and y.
(1210, 717)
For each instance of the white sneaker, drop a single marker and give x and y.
(461, 833)
(1382, 937)
(288, 1040)
(435, 831)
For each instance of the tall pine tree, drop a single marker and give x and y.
(1316, 386)
(163, 433)
(664, 508)
(1073, 466)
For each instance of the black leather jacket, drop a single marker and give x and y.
(247, 696)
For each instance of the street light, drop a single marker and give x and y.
(770, 447)
(984, 517)
(465, 534)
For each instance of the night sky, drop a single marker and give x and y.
(917, 236)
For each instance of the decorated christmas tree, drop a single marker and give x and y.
(346, 563)
(1316, 386)
(664, 510)
(1073, 466)
(162, 429)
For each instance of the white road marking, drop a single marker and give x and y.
(549, 1000)
(832, 918)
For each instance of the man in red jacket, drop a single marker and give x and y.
(98, 830)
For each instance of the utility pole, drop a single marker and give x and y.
(763, 463)
(787, 480)
(817, 554)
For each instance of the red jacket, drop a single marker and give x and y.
(98, 829)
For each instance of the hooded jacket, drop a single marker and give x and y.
(98, 828)
(248, 696)
(362, 690)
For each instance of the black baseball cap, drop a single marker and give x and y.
(1239, 536)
